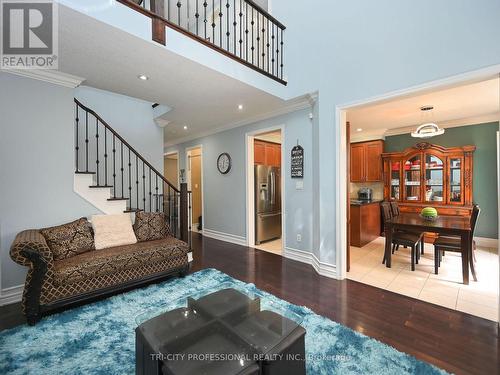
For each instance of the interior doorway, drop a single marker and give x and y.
(194, 162)
(265, 202)
(171, 168)
(415, 173)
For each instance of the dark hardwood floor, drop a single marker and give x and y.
(452, 340)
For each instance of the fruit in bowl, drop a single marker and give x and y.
(429, 213)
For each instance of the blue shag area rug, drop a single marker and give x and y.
(99, 338)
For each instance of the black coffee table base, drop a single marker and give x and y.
(221, 333)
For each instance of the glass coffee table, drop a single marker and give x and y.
(229, 331)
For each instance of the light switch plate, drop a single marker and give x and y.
(299, 185)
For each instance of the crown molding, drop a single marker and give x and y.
(51, 76)
(475, 120)
(293, 105)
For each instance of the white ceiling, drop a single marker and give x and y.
(474, 102)
(200, 98)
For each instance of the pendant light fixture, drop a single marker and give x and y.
(428, 128)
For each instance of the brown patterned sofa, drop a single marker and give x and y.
(56, 280)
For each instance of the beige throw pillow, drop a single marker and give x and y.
(112, 230)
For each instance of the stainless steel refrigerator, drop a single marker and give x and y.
(267, 203)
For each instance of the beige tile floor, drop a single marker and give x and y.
(446, 289)
(273, 246)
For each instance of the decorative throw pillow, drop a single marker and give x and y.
(150, 226)
(69, 239)
(112, 230)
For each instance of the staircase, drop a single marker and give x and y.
(112, 176)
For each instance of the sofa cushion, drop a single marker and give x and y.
(150, 226)
(116, 259)
(112, 230)
(69, 239)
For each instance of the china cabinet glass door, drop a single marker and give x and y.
(395, 180)
(434, 179)
(412, 178)
(455, 185)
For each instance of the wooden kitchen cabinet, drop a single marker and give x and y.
(267, 153)
(365, 223)
(259, 153)
(366, 161)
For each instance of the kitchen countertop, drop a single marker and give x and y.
(355, 202)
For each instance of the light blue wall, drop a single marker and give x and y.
(225, 195)
(36, 163)
(37, 155)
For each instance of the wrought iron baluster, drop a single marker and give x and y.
(137, 181)
(234, 27)
(220, 23)
(143, 187)
(105, 156)
(241, 29)
(150, 194)
(77, 142)
(114, 167)
(156, 189)
(86, 141)
(258, 39)
(253, 47)
(205, 4)
(197, 16)
(267, 45)
(179, 4)
(129, 179)
(272, 50)
(281, 44)
(213, 21)
(97, 149)
(228, 34)
(121, 161)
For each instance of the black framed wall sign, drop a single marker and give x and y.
(297, 162)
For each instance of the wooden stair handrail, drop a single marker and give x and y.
(125, 143)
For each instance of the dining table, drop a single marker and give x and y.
(443, 225)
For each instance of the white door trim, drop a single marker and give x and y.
(340, 131)
(250, 193)
(188, 180)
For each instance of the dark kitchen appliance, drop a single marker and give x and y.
(267, 203)
(365, 194)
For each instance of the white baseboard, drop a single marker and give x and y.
(324, 269)
(232, 238)
(491, 243)
(11, 295)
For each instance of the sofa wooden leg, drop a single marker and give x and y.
(183, 272)
(33, 319)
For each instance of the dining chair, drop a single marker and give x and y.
(407, 239)
(395, 212)
(454, 244)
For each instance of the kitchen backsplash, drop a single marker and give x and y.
(377, 187)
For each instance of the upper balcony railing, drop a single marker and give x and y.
(240, 29)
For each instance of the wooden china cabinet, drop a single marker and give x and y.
(430, 175)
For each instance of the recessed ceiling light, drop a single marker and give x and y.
(240, 106)
(143, 77)
(359, 129)
(185, 127)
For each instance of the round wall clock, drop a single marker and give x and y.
(224, 163)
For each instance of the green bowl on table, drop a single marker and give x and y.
(429, 213)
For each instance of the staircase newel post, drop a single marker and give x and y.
(184, 212)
